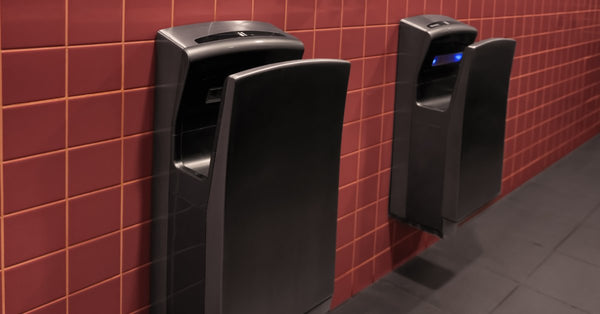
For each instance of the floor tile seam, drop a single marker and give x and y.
(507, 276)
(526, 285)
(505, 298)
(577, 259)
(554, 250)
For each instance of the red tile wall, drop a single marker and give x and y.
(77, 103)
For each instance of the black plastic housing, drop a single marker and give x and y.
(245, 171)
(448, 141)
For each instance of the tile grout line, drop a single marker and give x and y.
(122, 141)
(358, 158)
(2, 219)
(78, 244)
(80, 96)
(379, 154)
(285, 12)
(77, 147)
(314, 30)
(67, 101)
(214, 9)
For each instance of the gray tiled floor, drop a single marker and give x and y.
(536, 250)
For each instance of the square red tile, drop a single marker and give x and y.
(382, 239)
(374, 71)
(342, 290)
(32, 23)
(33, 129)
(449, 7)
(234, 10)
(101, 299)
(363, 276)
(34, 233)
(136, 289)
(139, 110)
(386, 156)
(94, 69)
(462, 10)
(369, 162)
(377, 12)
(370, 133)
(375, 41)
(34, 181)
(94, 167)
(415, 8)
(94, 118)
(270, 11)
(389, 94)
(94, 214)
(363, 247)
(388, 127)
(392, 40)
(367, 191)
(345, 231)
(329, 13)
(396, 11)
(354, 13)
(353, 106)
(95, 21)
(346, 200)
(348, 166)
(343, 260)
(382, 212)
(35, 283)
(391, 64)
(489, 7)
(353, 42)
(372, 102)
(384, 184)
(139, 64)
(365, 222)
(356, 73)
(22, 79)
(143, 18)
(300, 15)
(56, 307)
(137, 157)
(136, 246)
(476, 9)
(327, 44)
(136, 202)
(93, 261)
(433, 6)
(193, 11)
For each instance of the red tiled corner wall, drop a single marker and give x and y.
(77, 103)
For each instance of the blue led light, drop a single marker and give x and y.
(446, 59)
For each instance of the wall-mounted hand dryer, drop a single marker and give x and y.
(450, 111)
(246, 163)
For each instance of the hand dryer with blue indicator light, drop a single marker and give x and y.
(450, 108)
